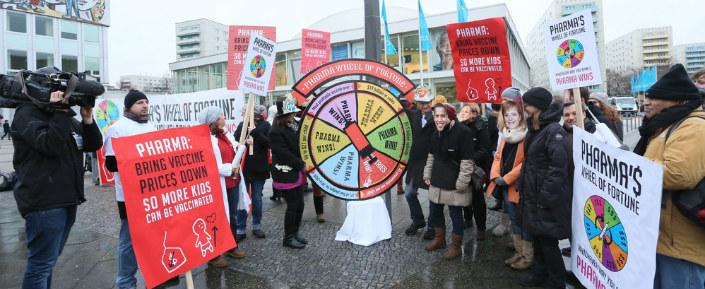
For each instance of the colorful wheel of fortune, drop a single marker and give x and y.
(605, 233)
(570, 53)
(355, 139)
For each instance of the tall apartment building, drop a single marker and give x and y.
(200, 37)
(536, 42)
(640, 49)
(691, 55)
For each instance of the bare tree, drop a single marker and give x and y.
(617, 84)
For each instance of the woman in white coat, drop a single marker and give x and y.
(224, 148)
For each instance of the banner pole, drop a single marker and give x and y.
(578, 107)
(252, 119)
(245, 121)
(189, 280)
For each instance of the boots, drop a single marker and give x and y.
(454, 250)
(219, 262)
(516, 239)
(236, 253)
(439, 240)
(291, 242)
(527, 256)
(503, 227)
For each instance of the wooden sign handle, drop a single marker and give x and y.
(578, 108)
(189, 280)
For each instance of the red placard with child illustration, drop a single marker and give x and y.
(480, 60)
(174, 201)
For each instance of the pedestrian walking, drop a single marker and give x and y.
(6, 130)
(671, 136)
(543, 185)
(448, 170)
(288, 169)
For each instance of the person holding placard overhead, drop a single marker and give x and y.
(543, 185)
(288, 169)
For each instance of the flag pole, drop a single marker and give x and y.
(420, 54)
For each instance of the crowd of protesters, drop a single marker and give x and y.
(516, 158)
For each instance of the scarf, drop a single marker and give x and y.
(513, 136)
(650, 127)
(227, 153)
(137, 118)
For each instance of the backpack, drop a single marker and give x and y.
(690, 202)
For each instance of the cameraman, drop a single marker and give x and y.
(49, 145)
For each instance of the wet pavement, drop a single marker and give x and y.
(89, 258)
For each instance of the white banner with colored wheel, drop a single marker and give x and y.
(616, 206)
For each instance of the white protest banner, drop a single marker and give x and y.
(616, 205)
(571, 52)
(258, 65)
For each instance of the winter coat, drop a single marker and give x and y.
(683, 160)
(513, 175)
(47, 160)
(419, 147)
(545, 196)
(286, 158)
(257, 164)
(225, 170)
(480, 137)
(449, 166)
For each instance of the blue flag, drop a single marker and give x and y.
(462, 11)
(389, 46)
(424, 35)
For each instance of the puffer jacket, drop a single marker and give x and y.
(545, 195)
(286, 157)
(449, 166)
(683, 160)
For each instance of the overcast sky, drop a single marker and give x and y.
(141, 37)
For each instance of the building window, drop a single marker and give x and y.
(92, 65)
(280, 69)
(339, 51)
(69, 63)
(391, 59)
(91, 33)
(44, 59)
(358, 49)
(43, 26)
(17, 22)
(69, 30)
(17, 59)
(410, 54)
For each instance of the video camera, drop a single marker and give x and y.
(36, 87)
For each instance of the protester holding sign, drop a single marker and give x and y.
(288, 169)
(504, 175)
(670, 135)
(224, 149)
(448, 173)
(599, 100)
(545, 196)
(256, 171)
(135, 120)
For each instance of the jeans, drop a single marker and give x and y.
(477, 209)
(438, 220)
(233, 199)
(46, 232)
(127, 263)
(511, 209)
(676, 273)
(257, 187)
(548, 262)
(294, 210)
(412, 198)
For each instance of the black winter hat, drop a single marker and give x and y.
(132, 97)
(539, 97)
(674, 85)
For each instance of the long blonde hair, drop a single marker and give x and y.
(506, 106)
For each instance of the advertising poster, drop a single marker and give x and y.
(174, 201)
(238, 41)
(571, 52)
(315, 49)
(616, 205)
(257, 74)
(481, 62)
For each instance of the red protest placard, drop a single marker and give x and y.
(238, 40)
(174, 201)
(480, 60)
(315, 49)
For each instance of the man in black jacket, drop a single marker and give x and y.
(256, 171)
(422, 128)
(49, 145)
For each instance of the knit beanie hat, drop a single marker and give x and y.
(209, 115)
(674, 85)
(539, 97)
(132, 97)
